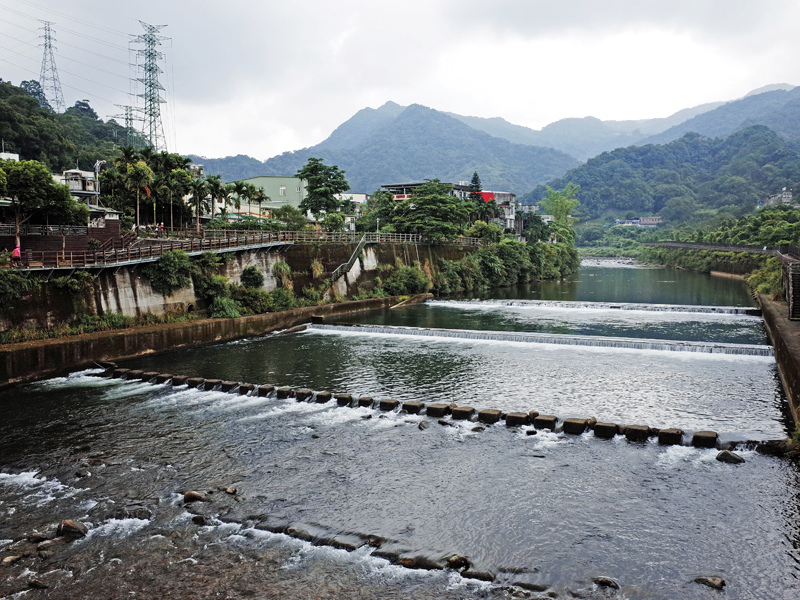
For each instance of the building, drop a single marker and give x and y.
(82, 184)
(649, 221)
(280, 191)
(784, 198)
(402, 191)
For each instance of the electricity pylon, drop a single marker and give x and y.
(48, 77)
(153, 130)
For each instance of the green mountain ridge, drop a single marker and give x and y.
(690, 179)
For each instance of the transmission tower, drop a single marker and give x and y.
(153, 130)
(48, 77)
(131, 138)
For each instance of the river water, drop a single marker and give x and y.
(543, 512)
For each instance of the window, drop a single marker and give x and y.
(298, 189)
(282, 191)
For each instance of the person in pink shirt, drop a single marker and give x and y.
(16, 257)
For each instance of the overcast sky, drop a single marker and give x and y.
(262, 77)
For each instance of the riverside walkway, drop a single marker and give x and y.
(217, 241)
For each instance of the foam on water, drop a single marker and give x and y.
(708, 312)
(117, 528)
(546, 339)
(38, 491)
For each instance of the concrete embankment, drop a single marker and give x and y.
(785, 336)
(29, 361)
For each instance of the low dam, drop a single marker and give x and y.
(326, 460)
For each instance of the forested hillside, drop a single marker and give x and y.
(383, 146)
(690, 179)
(777, 109)
(61, 141)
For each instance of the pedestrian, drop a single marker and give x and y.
(16, 257)
(161, 230)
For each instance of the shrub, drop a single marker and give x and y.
(252, 277)
(224, 308)
(283, 273)
(251, 301)
(169, 273)
(282, 299)
(406, 280)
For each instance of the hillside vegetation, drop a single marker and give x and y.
(691, 179)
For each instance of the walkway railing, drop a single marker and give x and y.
(148, 249)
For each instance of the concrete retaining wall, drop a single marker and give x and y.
(29, 361)
(785, 336)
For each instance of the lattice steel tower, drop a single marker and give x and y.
(131, 137)
(48, 77)
(153, 130)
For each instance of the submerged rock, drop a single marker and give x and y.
(716, 583)
(729, 457)
(458, 562)
(192, 496)
(604, 581)
(71, 528)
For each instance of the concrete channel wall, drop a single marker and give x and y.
(785, 336)
(29, 361)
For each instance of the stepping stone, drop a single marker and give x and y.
(515, 419)
(545, 422)
(489, 415)
(574, 426)
(606, 430)
(413, 407)
(436, 411)
(705, 439)
(670, 437)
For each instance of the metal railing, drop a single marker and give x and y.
(11, 230)
(221, 240)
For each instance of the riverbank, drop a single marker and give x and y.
(29, 361)
(785, 337)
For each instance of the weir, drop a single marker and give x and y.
(558, 339)
(679, 308)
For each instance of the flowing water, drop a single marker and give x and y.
(543, 512)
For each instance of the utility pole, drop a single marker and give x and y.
(153, 130)
(48, 76)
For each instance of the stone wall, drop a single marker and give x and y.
(127, 291)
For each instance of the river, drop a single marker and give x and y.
(545, 513)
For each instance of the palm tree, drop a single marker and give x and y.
(138, 177)
(216, 189)
(199, 191)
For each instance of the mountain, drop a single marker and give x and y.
(692, 178)
(584, 137)
(775, 108)
(395, 144)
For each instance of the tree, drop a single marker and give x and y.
(379, 208)
(333, 222)
(431, 212)
(138, 177)
(199, 191)
(34, 88)
(293, 218)
(32, 190)
(561, 203)
(322, 185)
